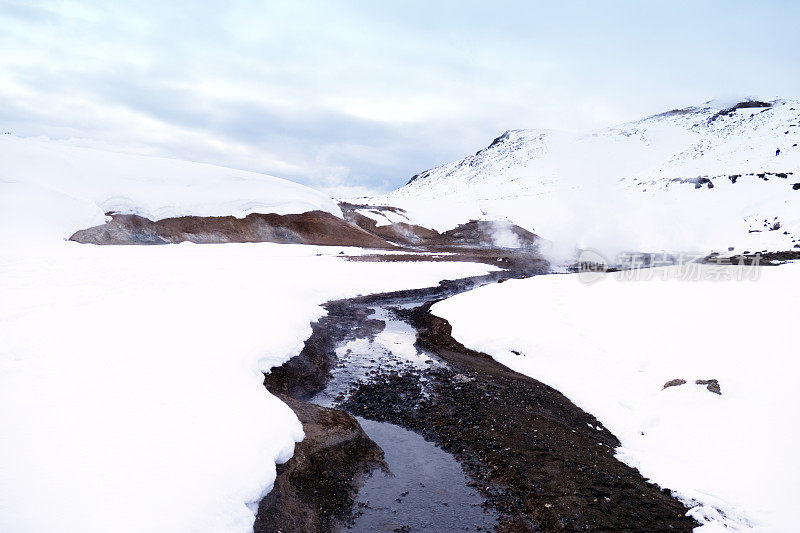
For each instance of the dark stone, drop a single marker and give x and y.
(711, 384)
(741, 105)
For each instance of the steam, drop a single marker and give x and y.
(503, 235)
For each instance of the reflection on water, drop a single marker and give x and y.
(426, 490)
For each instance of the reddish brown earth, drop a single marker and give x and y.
(472, 234)
(402, 232)
(472, 241)
(313, 227)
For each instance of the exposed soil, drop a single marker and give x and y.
(477, 233)
(470, 235)
(536, 456)
(401, 232)
(315, 490)
(307, 373)
(313, 227)
(494, 242)
(541, 463)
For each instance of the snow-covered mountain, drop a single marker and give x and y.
(49, 190)
(710, 177)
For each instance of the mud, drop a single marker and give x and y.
(538, 461)
(316, 489)
(541, 462)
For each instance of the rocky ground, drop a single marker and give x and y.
(541, 463)
(315, 490)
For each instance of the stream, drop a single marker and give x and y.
(426, 489)
(468, 444)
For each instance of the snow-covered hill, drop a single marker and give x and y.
(131, 377)
(49, 190)
(703, 178)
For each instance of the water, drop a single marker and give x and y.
(427, 490)
(390, 349)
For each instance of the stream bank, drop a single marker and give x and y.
(537, 461)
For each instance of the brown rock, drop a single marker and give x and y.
(313, 227)
(674, 383)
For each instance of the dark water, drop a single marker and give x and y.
(391, 348)
(426, 491)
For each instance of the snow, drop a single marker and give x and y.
(611, 346)
(131, 394)
(53, 190)
(130, 377)
(630, 187)
(382, 217)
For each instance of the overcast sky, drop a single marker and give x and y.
(357, 96)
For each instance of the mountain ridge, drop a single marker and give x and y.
(546, 180)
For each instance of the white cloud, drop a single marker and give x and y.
(369, 93)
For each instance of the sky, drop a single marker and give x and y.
(355, 97)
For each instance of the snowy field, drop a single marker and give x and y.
(131, 394)
(612, 345)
